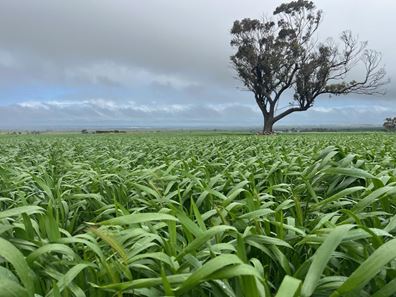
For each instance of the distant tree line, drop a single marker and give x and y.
(85, 131)
(23, 132)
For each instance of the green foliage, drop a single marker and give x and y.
(198, 215)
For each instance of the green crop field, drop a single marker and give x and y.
(198, 214)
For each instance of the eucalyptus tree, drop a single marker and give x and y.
(281, 57)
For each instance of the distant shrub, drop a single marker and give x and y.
(390, 124)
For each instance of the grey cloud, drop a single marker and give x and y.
(165, 37)
(185, 38)
(122, 75)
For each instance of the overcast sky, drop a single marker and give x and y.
(85, 63)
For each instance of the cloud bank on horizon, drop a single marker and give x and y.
(159, 63)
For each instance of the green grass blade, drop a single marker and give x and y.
(368, 269)
(321, 257)
(139, 218)
(9, 252)
(289, 287)
(17, 211)
(9, 288)
(388, 290)
(204, 237)
(206, 270)
(69, 276)
(51, 248)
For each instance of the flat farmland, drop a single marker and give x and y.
(198, 214)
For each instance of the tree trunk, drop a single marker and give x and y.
(268, 124)
(268, 116)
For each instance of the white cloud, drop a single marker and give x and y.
(125, 113)
(34, 105)
(126, 76)
(323, 109)
(154, 106)
(226, 106)
(378, 108)
(111, 105)
(354, 108)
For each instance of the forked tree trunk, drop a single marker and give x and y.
(270, 119)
